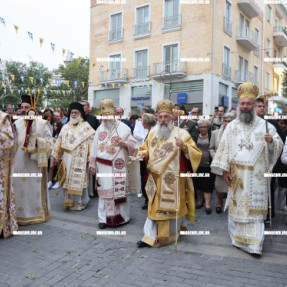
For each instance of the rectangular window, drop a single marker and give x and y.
(171, 61)
(172, 17)
(267, 81)
(116, 29)
(269, 14)
(141, 70)
(255, 74)
(115, 67)
(142, 21)
(171, 8)
(226, 59)
(228, 10)
(256, 35)
(268, 48)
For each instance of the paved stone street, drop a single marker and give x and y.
(71, 253)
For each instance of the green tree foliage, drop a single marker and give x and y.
(34, 76)
(284, 85)
(76, 71)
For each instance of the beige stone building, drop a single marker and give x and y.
(190, 51)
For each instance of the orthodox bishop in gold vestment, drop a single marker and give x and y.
(248, 149)
(112, 146)
(164, 164)
(73, 146)
(34, 141)
(8, 221)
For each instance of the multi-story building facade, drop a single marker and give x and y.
(143, 51)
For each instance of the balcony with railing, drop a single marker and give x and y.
(242, 76)
(172, 23)
(176, 69)
(116, 76)
(279, 67)
(141, 73)
(226, 71)
(280, 36)
(247, 38)
(249, 8)
(142, 30)
(227, 26)
(116, 36)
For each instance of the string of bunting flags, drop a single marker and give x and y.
(73, 84)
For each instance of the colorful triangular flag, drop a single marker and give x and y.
(30, 35)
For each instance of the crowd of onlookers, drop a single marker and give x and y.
(206, 132)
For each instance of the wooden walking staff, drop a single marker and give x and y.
(265, 97)
(179, 113)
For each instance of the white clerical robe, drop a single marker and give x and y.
(109, 159)
(73, 146)
(8, 221)
(31, 194)
(244, 153)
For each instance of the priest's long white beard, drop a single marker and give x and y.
(108, 124)
(164, 131)
(246, 118)
(75, 121)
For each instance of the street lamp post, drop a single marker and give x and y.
(170, 81)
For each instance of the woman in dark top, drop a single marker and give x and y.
(204, 185)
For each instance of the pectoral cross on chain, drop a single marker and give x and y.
(242, 144)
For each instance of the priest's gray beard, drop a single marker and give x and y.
(246, 117)
(108, 124)
(164, 131)
(76, 120)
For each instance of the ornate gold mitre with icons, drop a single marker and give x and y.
(177, 112)
(164, 106)
(265, 96)
(107, 106)
(248, 90)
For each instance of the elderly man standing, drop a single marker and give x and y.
(112, 146)
(8, 221)
(164, 164)
(73, 146)
(34, 141)
(249, 148)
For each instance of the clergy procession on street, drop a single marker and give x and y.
(177, 161)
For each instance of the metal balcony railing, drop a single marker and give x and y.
(226, 71)
(280, 29)
(242, 76)
(172, 67)
(142, 29)
(116, 35)
(245, 33)
(142, 72)
(171, 22)
(114, 75)
(227, 26)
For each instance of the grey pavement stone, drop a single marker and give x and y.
(69, 253)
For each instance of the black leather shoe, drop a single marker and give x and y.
(144, 206)
(198, 206)
(142, 244)
(218, 209)
(102, 225)
(208, 210)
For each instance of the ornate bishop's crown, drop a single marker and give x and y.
(248, 90)
(107, 106)
(265, 96)
(164, 106)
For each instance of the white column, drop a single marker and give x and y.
(157, 94)
(125, 95)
